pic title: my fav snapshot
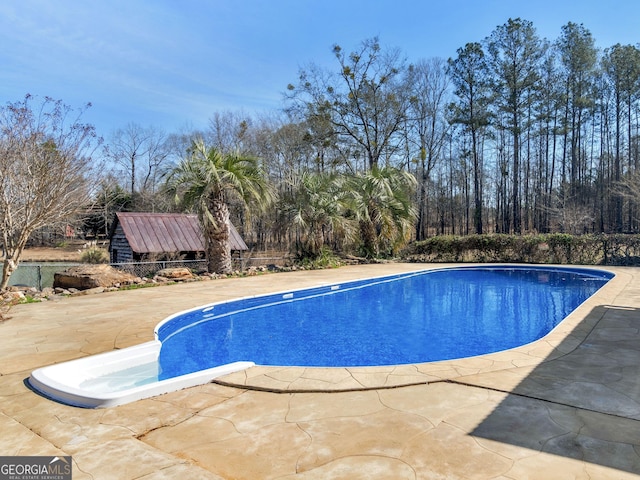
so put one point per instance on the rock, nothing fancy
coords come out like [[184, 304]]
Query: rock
[[13, 296], [178, 273], [90, 291], [47, 291], [83, 277], [23, 288]]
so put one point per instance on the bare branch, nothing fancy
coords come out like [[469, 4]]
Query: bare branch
[[45, 165]]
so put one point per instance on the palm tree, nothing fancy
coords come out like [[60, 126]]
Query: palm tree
[[207, 180], [315, 207], [381, 200]]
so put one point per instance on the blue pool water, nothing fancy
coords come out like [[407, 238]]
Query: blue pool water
[[402, 319]]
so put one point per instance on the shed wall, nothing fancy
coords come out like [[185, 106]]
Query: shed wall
[[119, 248]]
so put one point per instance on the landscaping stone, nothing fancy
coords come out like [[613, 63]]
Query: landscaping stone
[[89, 291], [83, 277], [92, 279], [178, 273]]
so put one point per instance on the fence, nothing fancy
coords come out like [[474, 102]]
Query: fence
[[38, 275], [41, 275], [257, 261], [148, 269]]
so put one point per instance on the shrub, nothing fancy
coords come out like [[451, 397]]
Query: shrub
[[324, 259], [95, 255], [561, 248]]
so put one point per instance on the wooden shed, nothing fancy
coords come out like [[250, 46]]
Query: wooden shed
[[138, 237]]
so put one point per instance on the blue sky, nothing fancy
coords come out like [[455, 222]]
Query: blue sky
[[173, 63]]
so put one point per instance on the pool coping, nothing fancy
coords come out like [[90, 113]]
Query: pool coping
[[562, 340]]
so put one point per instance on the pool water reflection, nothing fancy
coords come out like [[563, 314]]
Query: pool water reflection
[[410, 318]]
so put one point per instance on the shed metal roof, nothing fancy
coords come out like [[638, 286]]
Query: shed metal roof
[[168, 232]]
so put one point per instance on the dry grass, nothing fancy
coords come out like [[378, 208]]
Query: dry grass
[[52, 254], [70, 251]]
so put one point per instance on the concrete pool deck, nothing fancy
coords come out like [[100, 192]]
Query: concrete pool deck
[[566, 406]]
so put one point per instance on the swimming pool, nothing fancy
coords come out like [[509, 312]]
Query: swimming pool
[[409, 318]]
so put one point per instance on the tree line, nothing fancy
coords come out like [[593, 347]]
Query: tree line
[[514, 134]]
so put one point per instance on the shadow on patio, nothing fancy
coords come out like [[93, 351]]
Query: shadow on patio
[[583, 403]]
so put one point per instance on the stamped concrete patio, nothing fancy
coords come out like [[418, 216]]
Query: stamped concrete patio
[[566, 406]]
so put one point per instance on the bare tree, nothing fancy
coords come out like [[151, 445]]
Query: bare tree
[[468, 73], [228, 131], [515, 52], [366, 100], [45, 164], [621, 64], [143, 155], [428, 128]]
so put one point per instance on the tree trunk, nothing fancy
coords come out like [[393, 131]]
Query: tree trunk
[[217, 238], [12, 254], [477, 194], [422, 225], [517, 227], [8, 267], [369, 238]]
